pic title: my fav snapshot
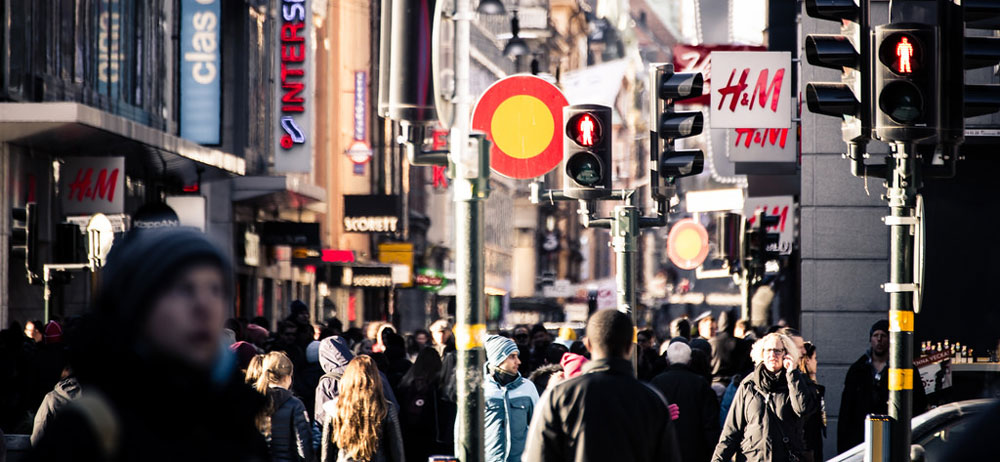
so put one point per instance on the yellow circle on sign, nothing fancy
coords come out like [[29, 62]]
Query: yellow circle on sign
[[522, 126], [688, 244]]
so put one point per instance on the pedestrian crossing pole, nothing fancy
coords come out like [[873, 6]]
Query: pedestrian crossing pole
[[904, 180]]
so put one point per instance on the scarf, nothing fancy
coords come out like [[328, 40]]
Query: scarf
[[766, 380], [503, 377]]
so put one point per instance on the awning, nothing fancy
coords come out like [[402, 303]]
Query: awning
[[80, 130], [279, 191]]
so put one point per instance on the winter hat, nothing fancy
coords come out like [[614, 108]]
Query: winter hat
[[882, 325], [498, 349], [146, 263], [572, 364], [244, 353], [256, 335], [53, 332], [312, 352], [297, 307]]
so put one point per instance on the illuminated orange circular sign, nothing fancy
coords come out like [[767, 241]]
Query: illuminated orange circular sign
[[687, 244], [522, 116]]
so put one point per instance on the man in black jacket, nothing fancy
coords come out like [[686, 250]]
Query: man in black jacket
[[698, 423], [604, 414], [866, 390]]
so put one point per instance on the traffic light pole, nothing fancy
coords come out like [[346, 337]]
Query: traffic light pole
[[904, 181]]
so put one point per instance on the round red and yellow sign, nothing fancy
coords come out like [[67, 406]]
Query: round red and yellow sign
[[522, 116], [687, 244]]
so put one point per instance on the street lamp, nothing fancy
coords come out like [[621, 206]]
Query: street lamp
[[516, 46], [490, 7]]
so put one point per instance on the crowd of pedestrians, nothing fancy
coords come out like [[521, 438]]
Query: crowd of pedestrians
[[155, 372]]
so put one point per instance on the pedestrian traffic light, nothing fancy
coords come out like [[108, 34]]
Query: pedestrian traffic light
[[587, 151], [24, 238], [979, 52], [849, 52], [667, 125], [906, 81], [761, 246]]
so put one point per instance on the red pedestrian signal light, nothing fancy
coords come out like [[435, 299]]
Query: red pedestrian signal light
[[904, 51], [585, 129]]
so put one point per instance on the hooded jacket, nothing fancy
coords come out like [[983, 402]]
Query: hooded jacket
[[508, 413], [604, 414], [291, 435], [766, 426], [334, 355], [64, 392]]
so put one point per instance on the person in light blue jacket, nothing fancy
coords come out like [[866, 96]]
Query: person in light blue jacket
[[510, 401]]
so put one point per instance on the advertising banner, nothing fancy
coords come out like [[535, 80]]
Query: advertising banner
[[201, 66], [90, 185], [294, 88]]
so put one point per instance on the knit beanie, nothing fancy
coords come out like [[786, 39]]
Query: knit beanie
[[53, 332], [572, 364], [881, 325], [244, 353], [498, 349], [256, 335]]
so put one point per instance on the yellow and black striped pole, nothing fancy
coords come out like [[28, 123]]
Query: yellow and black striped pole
[[902, 195]]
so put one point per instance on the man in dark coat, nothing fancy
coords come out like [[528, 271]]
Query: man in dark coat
[[604, 414], [730, 355], [698, 423], [158, 383], [866, 390]]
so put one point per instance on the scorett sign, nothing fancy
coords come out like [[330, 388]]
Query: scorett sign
[[371, 213]]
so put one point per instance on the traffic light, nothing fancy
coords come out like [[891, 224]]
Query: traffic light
[[761, 246], [979, 52], [587, 151], [667, 125], [24, 238], [906, 81], [850, 53]]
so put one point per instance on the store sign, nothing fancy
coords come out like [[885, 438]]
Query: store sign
[[430, 279], [751, 90], [201, 65], [92, 185], [400, 256], [784, 208], [360, 106], [293, 97], [763, 145], [364, 276], [371, 213], [290, 233], [191, 210], [110, 58], [251, 248]]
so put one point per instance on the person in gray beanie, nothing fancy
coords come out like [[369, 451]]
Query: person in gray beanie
[[510, 401]]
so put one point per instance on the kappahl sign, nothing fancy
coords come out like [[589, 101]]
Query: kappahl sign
[[90, 185], [293, 87]]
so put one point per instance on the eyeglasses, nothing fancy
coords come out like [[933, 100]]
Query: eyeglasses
[[775, 351]]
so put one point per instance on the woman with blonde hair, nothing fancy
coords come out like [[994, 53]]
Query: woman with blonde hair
[[361, 425], [284, 421], [254, 369], [765, 420]]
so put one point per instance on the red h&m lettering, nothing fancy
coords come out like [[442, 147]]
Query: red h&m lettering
[[760, 94], [104, 188], [777, 136]]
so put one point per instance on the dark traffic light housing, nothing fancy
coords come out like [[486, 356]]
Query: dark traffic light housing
[[906, 81], [587, 151], [761, 246], [849, 52], [24, 238], [667, 125]]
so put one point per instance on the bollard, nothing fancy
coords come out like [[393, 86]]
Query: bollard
[[877, 432]]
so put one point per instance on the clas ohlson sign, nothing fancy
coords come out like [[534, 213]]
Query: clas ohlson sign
[[201, 70], [371, 214]]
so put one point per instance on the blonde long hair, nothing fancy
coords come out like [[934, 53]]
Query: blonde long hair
[[275, 367], [361, 409]]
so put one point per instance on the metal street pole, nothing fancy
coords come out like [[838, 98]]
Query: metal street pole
[[624, 241], [902, 196]]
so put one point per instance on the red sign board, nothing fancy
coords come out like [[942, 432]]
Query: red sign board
[[522, 116], [687, 244], [92, 185]]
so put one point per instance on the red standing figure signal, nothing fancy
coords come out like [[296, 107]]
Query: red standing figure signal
[[904, 50], [586, 130]]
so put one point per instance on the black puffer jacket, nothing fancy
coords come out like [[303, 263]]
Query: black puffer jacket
[[604, 414], [291, 435], [766, 426]]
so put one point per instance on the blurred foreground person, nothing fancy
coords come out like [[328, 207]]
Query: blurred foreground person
[[284, 422], [605, 414], [158, 385], [362, 425], [510, 401], [766, 419]]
